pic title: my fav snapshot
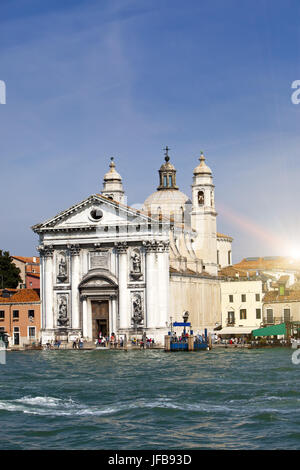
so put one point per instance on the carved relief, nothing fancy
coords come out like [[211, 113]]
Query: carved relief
[[156, 246], [62, 318], [137, 309], [121, 247], [46, 251]]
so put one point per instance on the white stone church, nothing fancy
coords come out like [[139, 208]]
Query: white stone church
[[111, 268]]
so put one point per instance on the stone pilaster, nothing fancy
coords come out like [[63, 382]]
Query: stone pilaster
[[48, 287], [121, 249], [75, 279]]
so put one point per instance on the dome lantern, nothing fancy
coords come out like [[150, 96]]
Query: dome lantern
[[167, 174]]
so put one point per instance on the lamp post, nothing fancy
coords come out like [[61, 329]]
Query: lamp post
[[185, 317]]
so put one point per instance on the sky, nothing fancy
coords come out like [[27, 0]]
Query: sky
[[90, 79]]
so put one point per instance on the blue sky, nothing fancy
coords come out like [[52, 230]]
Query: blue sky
[[87, 80]]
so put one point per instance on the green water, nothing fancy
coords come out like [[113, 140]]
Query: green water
[[221, 399]]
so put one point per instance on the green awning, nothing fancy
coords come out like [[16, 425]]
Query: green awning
[[271, 330]]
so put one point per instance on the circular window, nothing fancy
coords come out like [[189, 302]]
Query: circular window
[[96, 214]]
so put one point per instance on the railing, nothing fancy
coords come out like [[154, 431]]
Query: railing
[[276, 320]]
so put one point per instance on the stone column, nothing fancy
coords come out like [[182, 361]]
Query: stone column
[[121, 249], [113, 314], [42, 286], [84, 317], [75, 279], [48, 288]]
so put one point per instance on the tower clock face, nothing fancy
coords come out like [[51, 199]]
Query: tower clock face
[[96, 214]]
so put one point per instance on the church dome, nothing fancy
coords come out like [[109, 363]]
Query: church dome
[[202, 168], [167, 200], [170, 199]]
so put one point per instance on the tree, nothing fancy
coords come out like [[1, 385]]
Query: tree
[[9, 273]]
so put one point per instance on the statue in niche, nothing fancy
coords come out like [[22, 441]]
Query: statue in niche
[[63, 312], [201, 198], [137, 310], [136, 265], [62, 269]]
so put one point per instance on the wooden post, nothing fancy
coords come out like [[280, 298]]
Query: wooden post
[[191, 343], [167, 343]]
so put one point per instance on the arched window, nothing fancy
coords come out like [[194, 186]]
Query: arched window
[[200, 198], [170, 181], [165, 181]]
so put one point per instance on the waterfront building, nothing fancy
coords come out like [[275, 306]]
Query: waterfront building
[[282, 304], [20, 315], [241, 305], [29, 271], [106, 267]]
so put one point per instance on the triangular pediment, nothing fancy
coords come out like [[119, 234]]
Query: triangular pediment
[[92, 212]]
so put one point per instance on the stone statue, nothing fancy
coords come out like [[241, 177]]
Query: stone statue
[[136, 266], [63, 312], [62, 270], [136, 262], [137, 310]]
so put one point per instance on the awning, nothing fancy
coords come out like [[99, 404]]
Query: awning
[[239, 330], [271, 330]]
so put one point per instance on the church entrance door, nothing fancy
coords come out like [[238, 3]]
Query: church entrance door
[[100, 318]]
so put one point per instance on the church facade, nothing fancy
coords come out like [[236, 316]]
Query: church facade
[[109, 268]]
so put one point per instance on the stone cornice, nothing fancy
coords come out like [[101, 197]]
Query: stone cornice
[[79, 228]]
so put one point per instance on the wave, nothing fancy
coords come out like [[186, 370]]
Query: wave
[[52, 406]]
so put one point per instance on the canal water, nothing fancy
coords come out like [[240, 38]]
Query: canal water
[[221, 399]]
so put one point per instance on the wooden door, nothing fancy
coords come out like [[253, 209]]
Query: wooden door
[[100, 318]]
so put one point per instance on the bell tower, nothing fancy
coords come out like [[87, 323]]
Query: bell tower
[[203, 216], [112, 184]]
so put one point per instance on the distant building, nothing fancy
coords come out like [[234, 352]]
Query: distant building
[[30, 271], [241, 302], [282, 304], [20, 315], [275, 266], [32, 281]]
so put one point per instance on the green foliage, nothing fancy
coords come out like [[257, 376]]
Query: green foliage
[[9, 273]]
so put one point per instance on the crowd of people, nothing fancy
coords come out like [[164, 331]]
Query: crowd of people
[[143, 343], [198, 338], [110, 342]]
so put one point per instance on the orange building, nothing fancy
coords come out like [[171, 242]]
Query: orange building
[[29, 271], [20, 315]]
